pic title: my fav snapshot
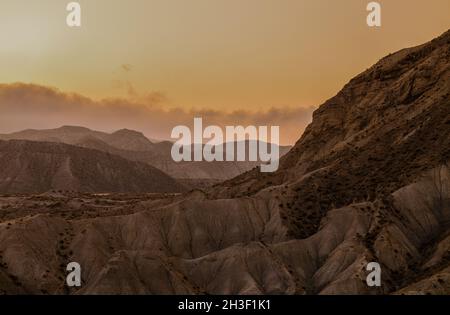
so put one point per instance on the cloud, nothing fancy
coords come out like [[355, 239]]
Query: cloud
[[30, 106]]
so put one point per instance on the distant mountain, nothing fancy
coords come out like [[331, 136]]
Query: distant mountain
[[131, 140], [122, 139], [135, 146], [36, 167]]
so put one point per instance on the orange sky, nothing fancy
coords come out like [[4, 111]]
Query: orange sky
[[225, 55]]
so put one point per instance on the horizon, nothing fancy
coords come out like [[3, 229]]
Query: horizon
[[154, 141]]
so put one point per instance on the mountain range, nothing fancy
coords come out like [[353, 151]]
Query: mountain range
[[134, 146]]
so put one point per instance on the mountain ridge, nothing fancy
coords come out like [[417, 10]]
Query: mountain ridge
[[37, 167], [133, 145]]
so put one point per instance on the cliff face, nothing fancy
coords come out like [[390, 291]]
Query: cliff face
[[381, 132], [369, 181]]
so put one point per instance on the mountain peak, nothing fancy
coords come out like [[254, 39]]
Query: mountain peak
[[130, 140], [73, 128], [129, 132]]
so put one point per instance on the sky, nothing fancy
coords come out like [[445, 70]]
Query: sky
[[238, 61]]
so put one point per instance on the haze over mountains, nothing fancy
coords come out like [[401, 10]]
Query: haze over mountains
[[135, 146], [122, 139], [369, 181]]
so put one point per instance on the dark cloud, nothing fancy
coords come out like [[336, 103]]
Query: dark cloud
[[24, 106]]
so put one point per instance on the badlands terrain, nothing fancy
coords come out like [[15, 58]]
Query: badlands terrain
[[369, 181]]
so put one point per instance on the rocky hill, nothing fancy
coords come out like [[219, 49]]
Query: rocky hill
[[36, 167], [383, 130]]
